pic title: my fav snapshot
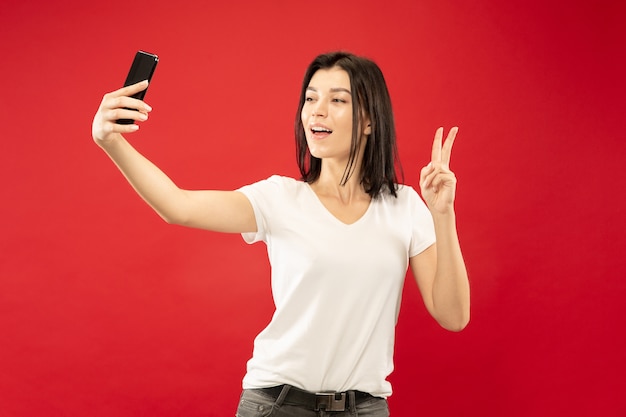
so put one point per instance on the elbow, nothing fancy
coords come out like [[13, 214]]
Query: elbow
[[455, 324], [169, 220], [456, 327], [173, 219]]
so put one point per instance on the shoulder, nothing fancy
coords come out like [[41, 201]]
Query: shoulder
[[272, 187], [276, 182], [286, 182], [405, 194], [406, 191], [407, 201]]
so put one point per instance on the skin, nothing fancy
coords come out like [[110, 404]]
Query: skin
[[439, 270], [221, 211], [328, 103]]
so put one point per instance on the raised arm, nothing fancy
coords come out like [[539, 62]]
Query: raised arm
[[440, 270], [221, 211]]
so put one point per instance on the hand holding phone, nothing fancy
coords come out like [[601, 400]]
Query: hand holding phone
[[142, 68]]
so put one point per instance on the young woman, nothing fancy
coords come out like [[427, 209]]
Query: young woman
[[339, 240]]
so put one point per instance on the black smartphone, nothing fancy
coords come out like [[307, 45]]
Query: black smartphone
[[142, 68]]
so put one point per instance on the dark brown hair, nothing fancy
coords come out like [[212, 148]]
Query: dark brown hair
[[371, 98]]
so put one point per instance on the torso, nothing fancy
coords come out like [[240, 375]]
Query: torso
[[337, 278], [347, 213]]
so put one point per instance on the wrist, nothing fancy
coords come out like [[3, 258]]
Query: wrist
[[444, 217], [110, 141]]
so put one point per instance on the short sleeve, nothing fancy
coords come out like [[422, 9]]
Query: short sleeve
[[265, 197], [423, 233]]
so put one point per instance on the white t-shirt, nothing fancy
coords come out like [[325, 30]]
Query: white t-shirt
[[336, 287]]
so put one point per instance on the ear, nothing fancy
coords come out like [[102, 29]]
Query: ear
[[368, 126]]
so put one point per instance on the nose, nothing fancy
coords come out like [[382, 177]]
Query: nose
[[320, 109]]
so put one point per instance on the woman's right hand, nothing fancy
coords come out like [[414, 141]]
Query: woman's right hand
[[115, 106]]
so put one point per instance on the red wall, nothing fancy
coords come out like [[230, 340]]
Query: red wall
[[107, 311]]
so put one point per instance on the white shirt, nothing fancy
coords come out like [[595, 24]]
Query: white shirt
[[336, 287]]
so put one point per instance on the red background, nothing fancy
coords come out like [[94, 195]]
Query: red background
[[107, 311]]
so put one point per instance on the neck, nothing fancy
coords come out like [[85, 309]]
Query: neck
[[330, 184]]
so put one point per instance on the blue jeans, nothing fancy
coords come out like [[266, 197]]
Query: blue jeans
[[257, 403]]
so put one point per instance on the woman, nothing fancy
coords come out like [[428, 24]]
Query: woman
[[339, 240]]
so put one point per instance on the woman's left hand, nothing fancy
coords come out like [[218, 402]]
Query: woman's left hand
[[437, 182]]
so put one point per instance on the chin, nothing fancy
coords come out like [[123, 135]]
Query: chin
[[316, 152]]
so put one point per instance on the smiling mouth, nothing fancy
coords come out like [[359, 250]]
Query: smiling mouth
[[321, 130]]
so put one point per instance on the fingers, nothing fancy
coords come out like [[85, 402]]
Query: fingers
[[436, 151], [115, 108], [441, 152], [119, 105], [440, 157], [437, 181], [426, 176], [131, 89], [127, 112], [116, 105], [446, 151], [105, 128], [434, 175], [122, 98], [112, 101]]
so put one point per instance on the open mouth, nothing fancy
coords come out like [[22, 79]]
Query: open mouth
[[321, 130]]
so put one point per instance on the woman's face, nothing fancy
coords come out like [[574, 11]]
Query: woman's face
[[327, 115]]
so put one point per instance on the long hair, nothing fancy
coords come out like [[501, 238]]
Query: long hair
[[371, 98]]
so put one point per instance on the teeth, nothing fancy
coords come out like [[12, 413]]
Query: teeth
[[320, 129]]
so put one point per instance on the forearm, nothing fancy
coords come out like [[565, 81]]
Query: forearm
[[156, 188], [450, 291]]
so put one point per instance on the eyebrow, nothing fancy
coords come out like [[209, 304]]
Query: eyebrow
[[332, 90]]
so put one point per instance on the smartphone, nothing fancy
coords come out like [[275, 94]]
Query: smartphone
[[142, 68]]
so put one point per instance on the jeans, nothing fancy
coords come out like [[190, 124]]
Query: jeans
[[257, 403]]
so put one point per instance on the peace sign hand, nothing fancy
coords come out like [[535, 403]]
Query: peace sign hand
[[437, 182]]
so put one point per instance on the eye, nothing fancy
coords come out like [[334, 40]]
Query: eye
[[339, 100]]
